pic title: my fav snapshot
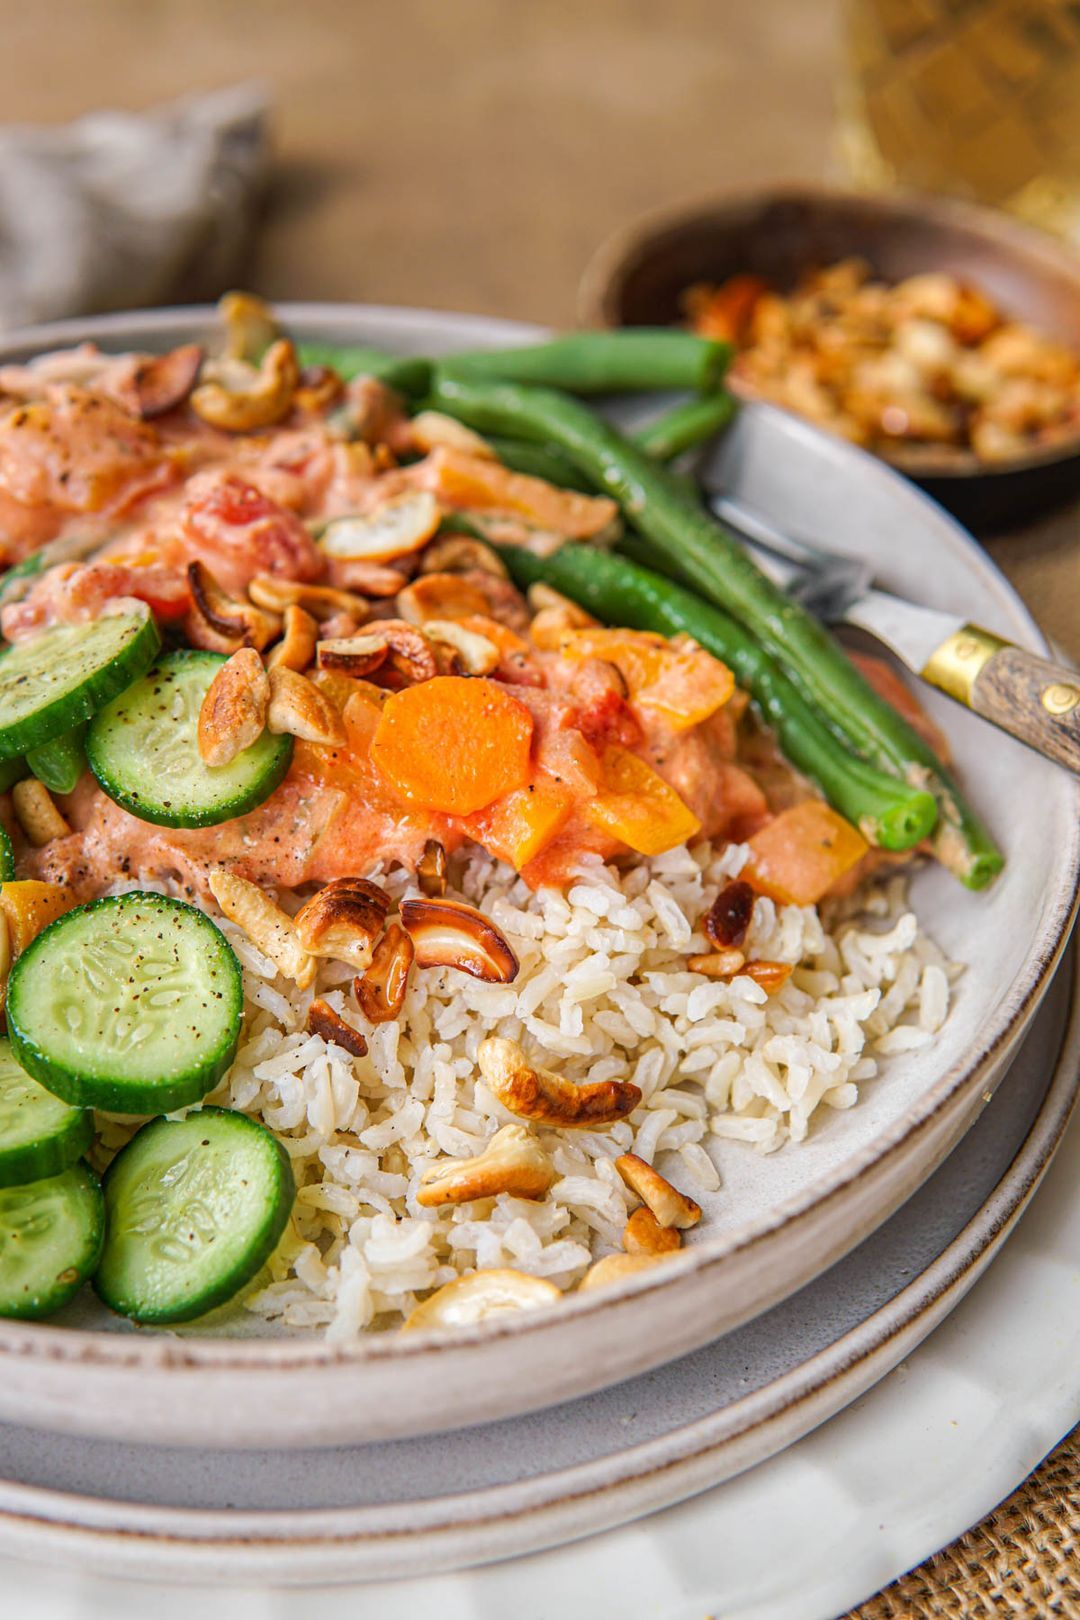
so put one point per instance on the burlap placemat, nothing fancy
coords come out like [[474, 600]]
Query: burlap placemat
[[1023, 1560]]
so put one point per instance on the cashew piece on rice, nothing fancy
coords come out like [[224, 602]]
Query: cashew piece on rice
[[670, 1207], [643, 1234], [512, 1162], [343, 921], [265, 924], [540, 1095], [614, 1267], [479, 1296]]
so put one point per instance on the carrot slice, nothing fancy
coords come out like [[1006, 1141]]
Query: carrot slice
[[637, 806], [798, 856], [453, 744]]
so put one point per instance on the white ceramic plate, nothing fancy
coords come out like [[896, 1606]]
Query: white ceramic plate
[[777, 1222], [381, 1511]]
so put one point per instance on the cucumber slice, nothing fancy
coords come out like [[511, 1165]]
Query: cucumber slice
[[143, 749], [195, 1208], [39, 1134], [60, 763], [50, 683], [132, 1003], [12, 771], [51, 1236]]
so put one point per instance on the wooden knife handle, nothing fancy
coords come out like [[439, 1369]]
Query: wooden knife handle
[[1030, 697]]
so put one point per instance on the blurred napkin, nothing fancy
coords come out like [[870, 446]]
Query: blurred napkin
[[124, 209]]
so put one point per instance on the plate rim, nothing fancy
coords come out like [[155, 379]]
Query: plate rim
[[369, 1543], [99, 1348]]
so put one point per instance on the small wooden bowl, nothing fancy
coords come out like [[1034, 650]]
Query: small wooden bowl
[[638, 276]]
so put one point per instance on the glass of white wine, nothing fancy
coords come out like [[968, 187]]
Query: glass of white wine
[[973, 98]]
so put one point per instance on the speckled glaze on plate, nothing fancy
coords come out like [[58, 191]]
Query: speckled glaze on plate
[[776, 1222], [452, 1501]]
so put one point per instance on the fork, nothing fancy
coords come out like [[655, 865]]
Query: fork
[[1032, 698]]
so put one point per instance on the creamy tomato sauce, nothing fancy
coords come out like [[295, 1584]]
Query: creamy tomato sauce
[[168, 493]]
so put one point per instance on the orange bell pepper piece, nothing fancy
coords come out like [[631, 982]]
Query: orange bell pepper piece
[[637, 806], [798, 856]]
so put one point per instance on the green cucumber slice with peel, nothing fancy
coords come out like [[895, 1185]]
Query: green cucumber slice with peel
[[61, 762], [53, 681], [51, 1237], [40, 1134], [195, 1209], [132, 1003], [143, 748]]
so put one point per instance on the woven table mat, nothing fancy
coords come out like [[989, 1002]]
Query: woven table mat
[[1022, 1560]]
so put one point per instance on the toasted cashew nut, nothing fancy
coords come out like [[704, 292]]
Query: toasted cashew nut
[[353, 655], [159, 383], [396, 529], [476, 654], [461, 553], [296, 649], [555, 616], [540, 1095], [431, 870], [670, 1207], [319, 388], [643, 1234], [343, 921], [36, 813], [380, 991], [234, 709], [430, 430], [264, 923], [411, 656], [480, 1295], [219, 622], [238, 400], [512, 1162], [769, 975], [250, 325], [371, 579], [323, 1020], [321, 601], [449, 934], [299, 708], [723, 964], [614, 1267], [441, 596]]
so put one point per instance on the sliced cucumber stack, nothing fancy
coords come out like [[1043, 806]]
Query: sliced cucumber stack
[[60, 677], [40, 1134], [143, 749], [132, 1003], [195, 1209], [51, 1236]]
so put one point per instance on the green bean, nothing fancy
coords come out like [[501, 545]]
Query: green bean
[[540, 461], [642, 357], [686, 537], [885, 810], [409, 374], [686, 426]]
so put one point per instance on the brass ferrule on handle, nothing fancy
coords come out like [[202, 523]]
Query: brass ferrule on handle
[[955, 666]]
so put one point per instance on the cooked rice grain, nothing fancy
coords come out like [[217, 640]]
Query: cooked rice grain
[[603, 994]]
